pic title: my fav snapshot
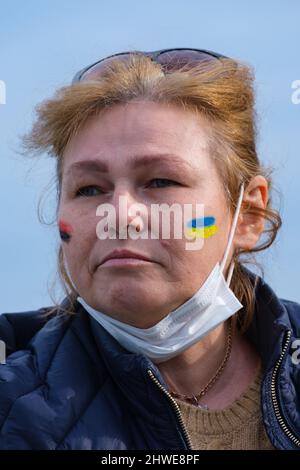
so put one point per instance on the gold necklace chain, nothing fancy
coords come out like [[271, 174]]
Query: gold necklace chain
[[194, 399]]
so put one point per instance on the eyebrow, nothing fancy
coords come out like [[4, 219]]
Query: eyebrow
[[136, 162]]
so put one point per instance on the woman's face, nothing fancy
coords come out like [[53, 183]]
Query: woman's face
[[176, 143]]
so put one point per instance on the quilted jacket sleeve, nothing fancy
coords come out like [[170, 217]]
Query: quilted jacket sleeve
[[16, 329]]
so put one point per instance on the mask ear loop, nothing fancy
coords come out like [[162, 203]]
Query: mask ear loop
[[231, 235]]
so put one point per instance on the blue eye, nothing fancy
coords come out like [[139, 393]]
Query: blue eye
[[165, 181], [88, 191]]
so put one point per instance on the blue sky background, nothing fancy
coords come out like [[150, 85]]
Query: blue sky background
[[42, 45]]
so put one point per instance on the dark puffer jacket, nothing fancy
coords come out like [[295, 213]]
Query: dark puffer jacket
[[68, 384]]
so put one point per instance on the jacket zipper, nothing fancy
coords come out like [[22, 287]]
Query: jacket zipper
[[275, 400], [176, 408]]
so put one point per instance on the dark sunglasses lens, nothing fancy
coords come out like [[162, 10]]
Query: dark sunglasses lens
[[174, 60], [97, 69], [169, 60]]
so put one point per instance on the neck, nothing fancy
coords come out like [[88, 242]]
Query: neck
[[191, 370]]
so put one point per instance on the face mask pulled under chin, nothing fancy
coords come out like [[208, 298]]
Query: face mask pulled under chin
[[212, 304]]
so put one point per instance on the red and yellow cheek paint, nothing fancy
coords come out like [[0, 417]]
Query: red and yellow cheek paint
[[65, 230]]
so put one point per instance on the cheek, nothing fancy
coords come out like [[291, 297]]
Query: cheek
[[204, 227], [188, 267], [77, 238], [181, 262], [75, 226], [209, 233], [65, 230]]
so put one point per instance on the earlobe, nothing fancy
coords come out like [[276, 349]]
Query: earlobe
[[251, 222]]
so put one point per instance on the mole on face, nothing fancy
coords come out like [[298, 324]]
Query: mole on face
[[65, 231]]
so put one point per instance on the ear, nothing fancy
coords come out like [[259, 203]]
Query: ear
[[250, 226]]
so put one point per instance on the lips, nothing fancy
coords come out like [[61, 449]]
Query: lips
[[124, 254]]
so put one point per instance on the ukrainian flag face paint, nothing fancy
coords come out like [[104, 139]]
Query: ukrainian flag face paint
[[203, 227], [65, 231]]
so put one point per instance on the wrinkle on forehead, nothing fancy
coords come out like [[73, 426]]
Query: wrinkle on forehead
[[130, 129]]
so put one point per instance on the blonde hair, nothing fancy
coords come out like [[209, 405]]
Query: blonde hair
[[222, 92]]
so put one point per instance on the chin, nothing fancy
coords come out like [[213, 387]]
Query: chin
[[129, 303], [127, 286]]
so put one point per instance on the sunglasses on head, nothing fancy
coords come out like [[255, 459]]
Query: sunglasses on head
[[169, 59]]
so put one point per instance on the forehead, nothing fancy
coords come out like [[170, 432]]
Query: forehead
[[125, 131]]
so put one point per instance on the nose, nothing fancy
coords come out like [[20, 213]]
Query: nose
[[130, 212]]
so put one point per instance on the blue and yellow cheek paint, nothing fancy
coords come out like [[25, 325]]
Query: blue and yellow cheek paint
[[203, 227]]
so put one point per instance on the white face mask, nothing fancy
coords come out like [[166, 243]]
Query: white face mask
[[211, 305]]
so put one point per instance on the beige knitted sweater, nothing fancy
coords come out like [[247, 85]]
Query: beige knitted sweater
[[238, 426]]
